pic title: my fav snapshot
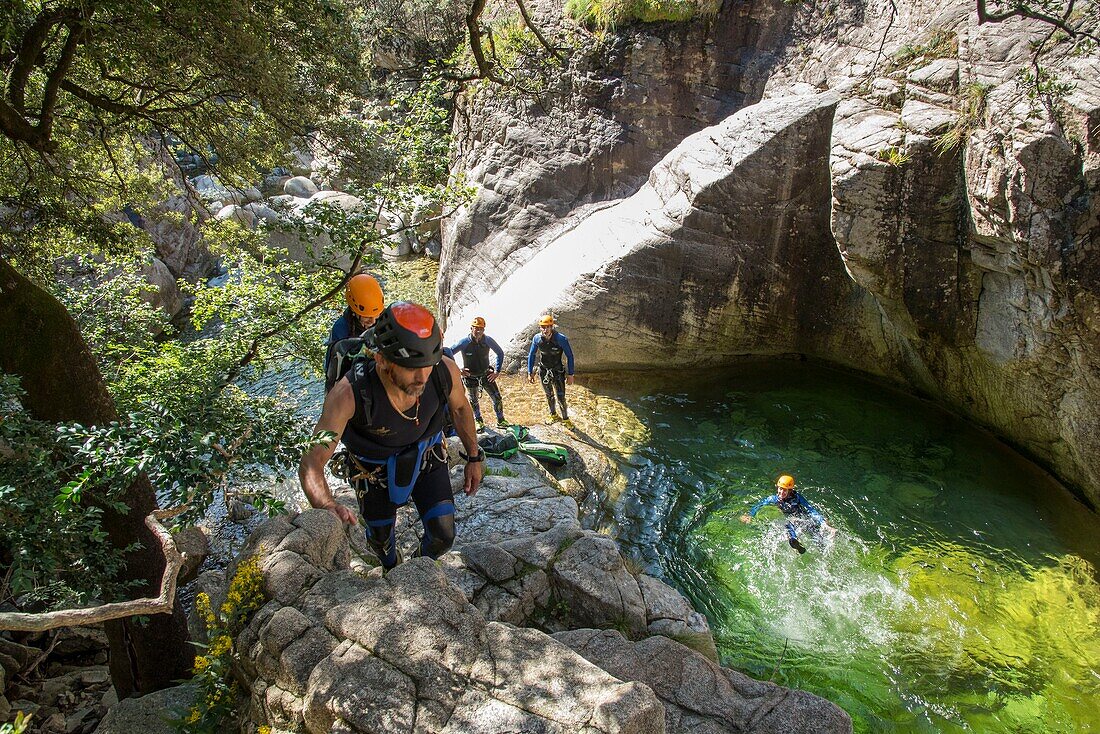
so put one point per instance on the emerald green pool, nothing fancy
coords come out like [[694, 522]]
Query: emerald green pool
[[961, 593]]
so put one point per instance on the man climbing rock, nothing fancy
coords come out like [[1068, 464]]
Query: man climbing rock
[[792, 504], [549, 345], [389, 413], [477, 373], [365, 302]]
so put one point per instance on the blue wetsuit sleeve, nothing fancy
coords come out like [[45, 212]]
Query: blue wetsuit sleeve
[[772, 500], [496, 350], [568, 353], [812, 511], [531, 354], [457, 348]]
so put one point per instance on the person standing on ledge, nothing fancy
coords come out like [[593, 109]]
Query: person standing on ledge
[[477, 373], [792, 504], [549, 345], [365, 303], [389, 413]]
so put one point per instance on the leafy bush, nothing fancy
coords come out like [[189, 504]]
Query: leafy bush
[[611, 13], [52, 551]]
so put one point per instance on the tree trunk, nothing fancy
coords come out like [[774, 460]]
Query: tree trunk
[[44, 348]]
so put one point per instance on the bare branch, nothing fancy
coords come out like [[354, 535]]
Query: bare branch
[[882, 43], [106, 612], [535, 29], [1023, 11]]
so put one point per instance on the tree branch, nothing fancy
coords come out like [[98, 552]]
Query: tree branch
[[106, 612], [1024, 11], [29, 51], [485, 70], [53, 82], [16, 127], [534, 29]]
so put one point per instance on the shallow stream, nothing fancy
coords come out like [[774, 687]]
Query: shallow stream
[[960, 594]]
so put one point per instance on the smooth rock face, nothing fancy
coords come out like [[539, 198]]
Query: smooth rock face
[[611, 114], [966, 271], [725, 251]]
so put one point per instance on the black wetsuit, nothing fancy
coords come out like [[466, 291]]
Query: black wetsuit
[[475, 360], [551, 370], [399, 456]]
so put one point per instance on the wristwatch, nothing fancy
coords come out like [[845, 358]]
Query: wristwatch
[[473, 459]]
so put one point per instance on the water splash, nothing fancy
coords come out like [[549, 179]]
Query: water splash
[[960, 593]]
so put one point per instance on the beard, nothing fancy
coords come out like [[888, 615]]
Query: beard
[[406, 383]]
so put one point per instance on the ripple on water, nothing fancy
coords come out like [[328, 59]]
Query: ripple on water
[[960, 594]]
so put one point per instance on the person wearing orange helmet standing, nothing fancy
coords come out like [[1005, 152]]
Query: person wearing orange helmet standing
[[365, 303], [792, 504], [548, 346], [477, 373]]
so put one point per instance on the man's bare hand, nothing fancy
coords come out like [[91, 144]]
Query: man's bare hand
[[531, 377], [569, 380], [475, 470], [491, 377], [346, 515]]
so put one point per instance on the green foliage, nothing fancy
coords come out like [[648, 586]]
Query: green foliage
[[612, 13], [499, 472], [53, 555], [939, 44], [893, 155], [971, 116], [213, 672], [403, 150], [1044, 90], [232, 78], [18, 726]]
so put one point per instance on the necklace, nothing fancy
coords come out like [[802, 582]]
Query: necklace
[[416, 415]]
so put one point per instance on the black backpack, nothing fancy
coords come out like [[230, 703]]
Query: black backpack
[[344, 354]]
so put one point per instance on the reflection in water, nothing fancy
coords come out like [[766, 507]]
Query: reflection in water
[[960, 594]]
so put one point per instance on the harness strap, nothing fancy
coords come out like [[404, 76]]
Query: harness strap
[[399, 493]]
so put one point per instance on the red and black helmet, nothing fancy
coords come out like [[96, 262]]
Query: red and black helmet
[[407, 334]]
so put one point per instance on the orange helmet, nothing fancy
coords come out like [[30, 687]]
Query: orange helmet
[[546, 320], [365, 296], [785, 482], [478, 323]]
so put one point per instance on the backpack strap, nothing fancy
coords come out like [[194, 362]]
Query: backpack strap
[[441, 378], [359, 376]]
